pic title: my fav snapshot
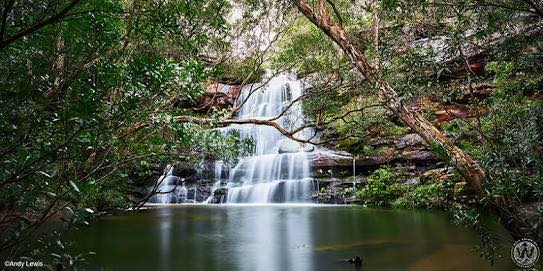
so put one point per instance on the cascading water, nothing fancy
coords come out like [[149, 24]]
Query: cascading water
[[279, 169], [171, 189]]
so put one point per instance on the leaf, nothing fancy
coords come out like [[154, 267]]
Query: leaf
[[89, 210], [74, 186], [59, 243], [44, 174], [56, 255], [50, 194]]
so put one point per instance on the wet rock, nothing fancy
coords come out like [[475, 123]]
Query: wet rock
[[329, 159], [219, 195], [287, 92], [213, 100], [199, 193], [183, 169], [345, 181], [333, 159], [332, 190], [532, 213], [341, 162], [173, 180]]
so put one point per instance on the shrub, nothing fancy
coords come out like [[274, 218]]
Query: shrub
[[379, 190], [435, 195]]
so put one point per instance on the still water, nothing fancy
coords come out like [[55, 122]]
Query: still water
[[279, 237]]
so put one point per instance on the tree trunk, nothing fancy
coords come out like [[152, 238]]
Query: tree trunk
[[469, 169], [58, 67]]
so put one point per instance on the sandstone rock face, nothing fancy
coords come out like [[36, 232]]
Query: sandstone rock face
[[407, 149], [381, 156], [421, 157], [217, 96], [409, 140], [328, 159], [452, 112]]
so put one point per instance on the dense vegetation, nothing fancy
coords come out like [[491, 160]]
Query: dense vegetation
[[97, 95], [436, 56], [88, 99]]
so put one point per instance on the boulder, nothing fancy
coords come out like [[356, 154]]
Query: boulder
[[420, 157], [327, 159], [413, 181], [219, 195], [409, 140], [217, 96], [210, 100], [330, 158], [381, 156], [308, 148], [198, 193]]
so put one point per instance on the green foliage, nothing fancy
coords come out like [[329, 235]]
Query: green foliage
[[382, 190], [307, 47], [379, 190], [88, 99], [512, 127], [247, 70], [428, 196], [367, 150], [347, 192]]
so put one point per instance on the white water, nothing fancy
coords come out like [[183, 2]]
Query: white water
[[171, 189], [278, 170]]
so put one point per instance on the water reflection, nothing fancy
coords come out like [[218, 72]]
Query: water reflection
[[271, 238], [165, 236], [279, 237]]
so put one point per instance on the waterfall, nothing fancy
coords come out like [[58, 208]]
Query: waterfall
[[217, 174], [278, 169], [171, 189], [354, 172]]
